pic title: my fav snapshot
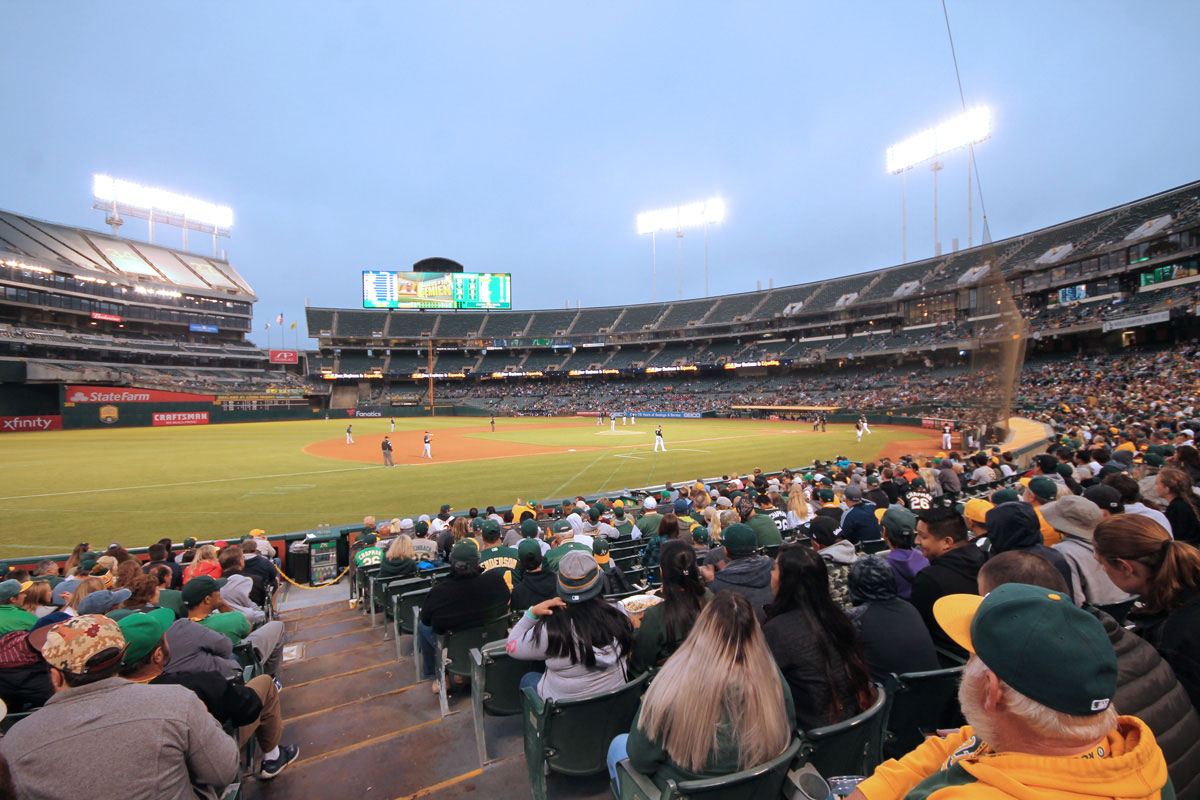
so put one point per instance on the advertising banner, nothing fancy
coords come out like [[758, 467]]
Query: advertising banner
[[39, 422], [670, 414], [285, 357], [123, 394], [105, 317], [179, 418], [198, 328]]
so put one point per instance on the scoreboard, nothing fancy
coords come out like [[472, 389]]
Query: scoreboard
[[454, 290]]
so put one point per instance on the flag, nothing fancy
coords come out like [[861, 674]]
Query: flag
[[279, 320], [293, 326], [267, 326]]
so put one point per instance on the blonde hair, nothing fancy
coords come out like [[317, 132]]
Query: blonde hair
[[401, 548], [36, 595], [85, 587], [460, 529], [206, 552], [107, 562], [798, 504], [728, 646], [712, 515]]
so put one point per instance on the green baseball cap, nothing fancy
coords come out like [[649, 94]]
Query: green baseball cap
[[528, 546], [1154, 460], [825, 495], [899, 520], [1038, 642], [200, 587], [491, 526], [1005, 496], [477, 524], [143, 632], [739, 539], [368, 538], [465, 552], [594, 513], [189, 542], [560, 526], [1043, 488], [529, 528], [421, 528]]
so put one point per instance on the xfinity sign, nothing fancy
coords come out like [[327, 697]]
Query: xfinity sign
[[40, 422]]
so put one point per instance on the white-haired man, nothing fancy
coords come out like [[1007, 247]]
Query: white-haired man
[[1037, 695]]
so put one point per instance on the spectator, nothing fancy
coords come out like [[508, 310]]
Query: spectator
[[241, 591], [1037, 690], [1146, 685], [1106, 498], [205, 563], [188, 554], [859, 523], [464, 599], [595, 525], [158, 555], [746, 572], [622, 522], [1014, 526], [583, 639], [647, 523], [664, 626], [46, 571], [1183, 509], [953, 567], [893, 635], [746, 719], [424, 548], [800, 511], [1142, 559], [917, 498], [256, 565], [36, 599], [205, 605], [814, 642], [534, 583], [566, 539], [875, 492], [399, 561], [168, 598], [899, 526], [1076, 518], [163, 726], [1131, 499], [975, 515], [614, 578], [838, 554], [253, 707], [143, 596], [76, 557], [667, 530], [12, 616], [947, 478]]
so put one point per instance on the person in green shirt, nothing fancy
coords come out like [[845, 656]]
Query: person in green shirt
[[621, 522], [495, 555], [204, 604], [648, 522], [12, 616], [765, 529], [664, 626], [564, 542]]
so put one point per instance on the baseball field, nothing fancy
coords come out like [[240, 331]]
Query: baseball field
[[136, 485]]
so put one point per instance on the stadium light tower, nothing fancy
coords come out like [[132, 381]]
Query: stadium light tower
[[966, 130], [692, 215], [156, 205]]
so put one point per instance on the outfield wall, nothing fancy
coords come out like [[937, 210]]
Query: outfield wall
[[134, 407]]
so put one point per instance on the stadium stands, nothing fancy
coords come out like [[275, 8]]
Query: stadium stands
[[685, 313], [459, 324], [551, 323]]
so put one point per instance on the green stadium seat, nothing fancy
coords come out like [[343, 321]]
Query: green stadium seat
[[919, 703], [571, 737], [495, 687], [454, 649], [765, 781], [849, 747]]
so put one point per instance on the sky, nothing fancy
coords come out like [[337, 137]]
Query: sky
[[525, 137]]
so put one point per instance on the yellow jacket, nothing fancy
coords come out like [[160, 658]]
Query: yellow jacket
[[959, 767]]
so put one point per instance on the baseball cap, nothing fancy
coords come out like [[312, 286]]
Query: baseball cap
[[11, 588], [976, 509], [528, 546], [103, 601], [600, 551], [618, 503], [1038, 642], [824, 530], [465, 552], [257, 533], [200, 587], [529, 528], [650, 504], [724, 502], [744, 507], [421, 527], [681, 506], [188, 543], [368, 538], [476, 524], [594, 513], [853, 492], [446, 509], [1154, 460], [491, 526], [700, 534], [1043, 488], [406, 524], [559, 526], [83, 644], [1076, 516], [1005, 496], [1105, 497], [144, 631], [917, 483], [898, 520], [739, 540], [872, 480], [579, 577], [825, 495]]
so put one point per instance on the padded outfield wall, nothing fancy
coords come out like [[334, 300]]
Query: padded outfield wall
[[133, 407]]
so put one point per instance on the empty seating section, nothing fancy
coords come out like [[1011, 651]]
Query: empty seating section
[[832, 291], [318, 363], [894, 278], [1171, 204], [717, 351], [404, 363], [505, 324], [361, 324], [542, 361], [734, 306], [550, 323], [459, 324], [672, 353], [629, 356], [584, 359], [410, 324], [593, 320], [455, 362], [682, 314], [1035, 245], [638, 317], [319, 319], [359, 362], [497, 361], [779, 299], [949, 269]]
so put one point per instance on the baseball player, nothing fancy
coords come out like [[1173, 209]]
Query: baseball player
[[393, 426], [387, 452], [599, 419], [612, 423], [947, 429], [349, 436], [658, 440], [426, 453], [858, 429], [865, 427], [493, 424]]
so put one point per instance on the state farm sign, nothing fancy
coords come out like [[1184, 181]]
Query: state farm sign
[[180, 418], [118, 394], [285, 357], [40, 422]]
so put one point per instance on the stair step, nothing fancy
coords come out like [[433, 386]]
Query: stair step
[[336, 627], [319, 734], [347, 688], [342, 642], [312, 611], [311, 669]]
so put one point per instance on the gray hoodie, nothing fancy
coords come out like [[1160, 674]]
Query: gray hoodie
[[749, 576]]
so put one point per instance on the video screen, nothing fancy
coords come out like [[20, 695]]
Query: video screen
[[479, 290]]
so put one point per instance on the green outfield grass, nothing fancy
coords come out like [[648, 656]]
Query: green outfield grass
[[138, 485]]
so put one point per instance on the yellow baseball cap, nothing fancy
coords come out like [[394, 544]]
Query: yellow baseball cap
[[976, 509]]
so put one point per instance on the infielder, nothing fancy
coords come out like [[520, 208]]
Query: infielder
[[947, 429], [612, 423], [493, 424], [658, 440], [349, 437], [865, 427], [858, 429], [387, 452], [393, 426], [426, 453]]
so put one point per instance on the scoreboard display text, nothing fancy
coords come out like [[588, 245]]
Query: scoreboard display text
[[385, 289]]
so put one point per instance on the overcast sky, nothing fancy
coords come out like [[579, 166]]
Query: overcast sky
[[525, 137]]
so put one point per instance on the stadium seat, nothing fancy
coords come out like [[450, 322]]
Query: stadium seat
[[571, 737], [873, 546], [919, 703], [495, 687], [1120, 610], [849, 747], [402, 615], [453, 649], [765, 781]]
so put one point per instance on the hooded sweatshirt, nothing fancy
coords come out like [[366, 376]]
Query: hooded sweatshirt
[[958, 766], [953, 572], [534, 588], [893, 636], [906, 564], [1015, 526], [749, 576], [564, 680], [838, 558]]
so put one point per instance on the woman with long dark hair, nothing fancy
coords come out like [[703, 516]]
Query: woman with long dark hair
[[666, 625], [1188, 460], [583, 638], [1141, 558], [814, 642], [1183, 508]]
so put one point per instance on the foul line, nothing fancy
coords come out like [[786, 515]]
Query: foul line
[[181, 483]]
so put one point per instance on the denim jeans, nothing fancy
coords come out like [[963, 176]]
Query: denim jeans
[[531, 679], [617, 751], [427, 643]]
